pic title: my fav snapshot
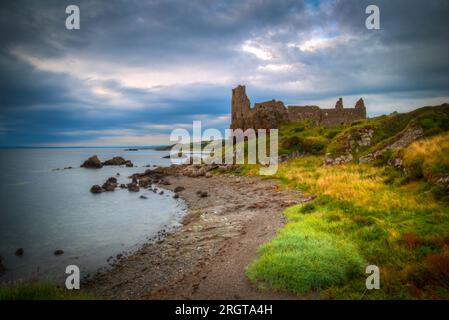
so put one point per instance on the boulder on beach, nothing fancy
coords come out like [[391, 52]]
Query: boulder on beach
[[92, 163], [179, 189], [96, 189], [58, 252], [133, 187], [203, 194], [19, 252]]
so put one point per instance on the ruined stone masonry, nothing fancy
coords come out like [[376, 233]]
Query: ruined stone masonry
[[270, 114]]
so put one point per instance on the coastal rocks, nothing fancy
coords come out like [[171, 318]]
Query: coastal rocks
[[330, 161], [203, 194], [175, 196], [132, 187], [364, 138], [293, 155], [443, 181], [118, 161], [179, 189], [144, 182], [92, 163], [143, 197], [109, 186], [19, 252], [58, 252], [129, 164], [96, 189], [402, 140]]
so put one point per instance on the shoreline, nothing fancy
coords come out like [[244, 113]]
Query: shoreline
[[228, 218]]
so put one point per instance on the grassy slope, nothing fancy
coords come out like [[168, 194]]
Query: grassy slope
[[39, 291], [364, 214]]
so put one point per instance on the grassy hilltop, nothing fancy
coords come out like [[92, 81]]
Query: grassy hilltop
[[382, 198]]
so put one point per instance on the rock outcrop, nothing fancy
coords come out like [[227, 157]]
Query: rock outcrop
[[118, 161], [92, 163]]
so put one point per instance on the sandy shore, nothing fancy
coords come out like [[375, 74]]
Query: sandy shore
[[205, 258]]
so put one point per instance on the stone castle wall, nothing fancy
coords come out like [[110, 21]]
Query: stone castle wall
[[271, 114]]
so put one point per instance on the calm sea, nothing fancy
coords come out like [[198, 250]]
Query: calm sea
[[42, 210]]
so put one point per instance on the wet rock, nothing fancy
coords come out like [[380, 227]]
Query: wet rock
[[144, 182], [58, 252], [112, 180], [109, 186], [132, 187], [123, 186], [19, 252], [175, 196], [161, 193], [96, 189], [129, 164], [117, 174], [179, 189], [143, 197], [92, 163], [68, 168], [115, 161]]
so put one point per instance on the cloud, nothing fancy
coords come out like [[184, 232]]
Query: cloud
[[166, 63]]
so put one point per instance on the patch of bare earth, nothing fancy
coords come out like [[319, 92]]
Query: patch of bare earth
[[206, 258]]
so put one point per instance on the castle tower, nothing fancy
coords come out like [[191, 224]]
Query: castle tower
[[339, 104], [240, 108], [360, 107]]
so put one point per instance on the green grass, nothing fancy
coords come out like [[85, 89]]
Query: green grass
[[397, 219], [432, 120], [358, 219], [39, 291], [303, 258]]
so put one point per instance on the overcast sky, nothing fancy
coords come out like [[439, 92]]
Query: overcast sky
[[138, 69]]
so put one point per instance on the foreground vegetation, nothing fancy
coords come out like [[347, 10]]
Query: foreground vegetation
[[371, 213], [39, 291]]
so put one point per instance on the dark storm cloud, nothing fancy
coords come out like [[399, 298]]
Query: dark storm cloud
[[137, 67]]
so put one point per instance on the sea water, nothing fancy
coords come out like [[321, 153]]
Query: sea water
[[43, 209]]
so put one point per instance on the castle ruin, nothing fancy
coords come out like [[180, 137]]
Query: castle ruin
[[271, 114]]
